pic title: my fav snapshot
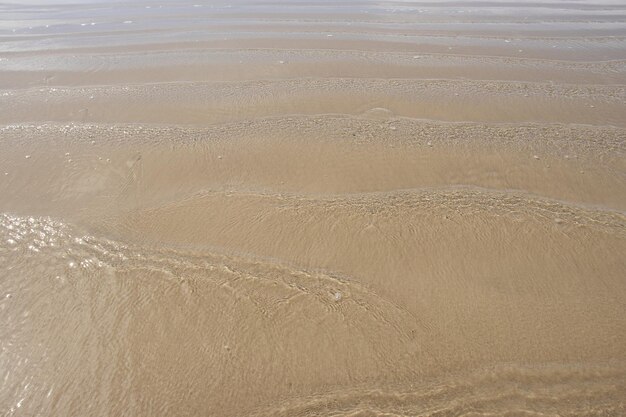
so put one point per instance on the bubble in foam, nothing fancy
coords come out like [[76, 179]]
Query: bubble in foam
[[378, 113]]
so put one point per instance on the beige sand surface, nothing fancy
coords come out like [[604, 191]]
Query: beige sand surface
[[313, 208]]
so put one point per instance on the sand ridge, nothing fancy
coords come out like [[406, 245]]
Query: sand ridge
[[310, 208]]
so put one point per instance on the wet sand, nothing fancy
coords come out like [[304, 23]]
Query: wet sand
[[313, 208]]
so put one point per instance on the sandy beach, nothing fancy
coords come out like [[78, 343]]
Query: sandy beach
[[313, 208]]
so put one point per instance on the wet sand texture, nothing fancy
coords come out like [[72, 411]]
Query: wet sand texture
[[313, 208]]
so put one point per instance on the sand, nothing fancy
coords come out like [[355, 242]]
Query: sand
[[313, 208]]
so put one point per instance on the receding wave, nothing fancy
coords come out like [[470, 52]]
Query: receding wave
[[312, 208]]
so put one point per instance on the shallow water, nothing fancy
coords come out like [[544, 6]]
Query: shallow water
[[313, 208]]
